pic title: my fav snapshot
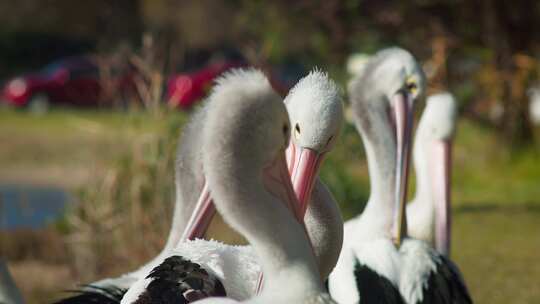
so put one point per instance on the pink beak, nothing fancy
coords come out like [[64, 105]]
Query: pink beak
[[304, 164], [441, 164], [201, 217], [403, 118], [278, 182]]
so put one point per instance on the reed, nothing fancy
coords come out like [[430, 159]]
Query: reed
[[122, 218]]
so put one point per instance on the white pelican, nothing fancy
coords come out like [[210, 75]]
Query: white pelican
[[316, 113], [315, 106], [244, 141], [315, 110], [370, 268], [9, 293], [429, 212]]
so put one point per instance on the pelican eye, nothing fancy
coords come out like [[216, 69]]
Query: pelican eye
[[411, 86], [297, 131]]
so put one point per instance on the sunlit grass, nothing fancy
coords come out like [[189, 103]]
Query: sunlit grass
[[67, 147], [497, 250], [496, 198], [488, 172]]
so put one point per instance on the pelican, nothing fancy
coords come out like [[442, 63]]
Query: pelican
[[315, 106], [382, 98], [378, 264], [429, 212], [244, 141], [315, 110], [9, 293]]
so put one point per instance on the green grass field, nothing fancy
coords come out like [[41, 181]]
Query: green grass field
[[496, 197]]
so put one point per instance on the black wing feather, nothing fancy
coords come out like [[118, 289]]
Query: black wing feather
[[446, 285], [94, 294], [374, 288], [179, 281]]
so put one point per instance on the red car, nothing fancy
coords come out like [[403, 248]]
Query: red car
[[184, 89], [72, 81]]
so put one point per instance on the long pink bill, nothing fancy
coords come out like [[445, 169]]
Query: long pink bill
[[304, 164], [441, 165], [201, 217], [403, 118], [277, 181]]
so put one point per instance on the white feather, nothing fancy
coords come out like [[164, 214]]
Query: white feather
[[418, 261], [368, 247]]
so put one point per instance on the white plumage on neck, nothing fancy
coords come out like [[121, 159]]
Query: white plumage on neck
[[240, 143]]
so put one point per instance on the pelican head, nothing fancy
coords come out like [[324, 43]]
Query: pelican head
[[245, 100], [244, 141], [383, 95], [316, 113], [439, 119]]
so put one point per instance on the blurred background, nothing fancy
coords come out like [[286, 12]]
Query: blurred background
[[95, 93]]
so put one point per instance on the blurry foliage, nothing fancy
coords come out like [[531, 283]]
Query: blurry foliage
[[150, 79], [123, 218], [348, 184], [20, 52], [469, 47], [30, 244]]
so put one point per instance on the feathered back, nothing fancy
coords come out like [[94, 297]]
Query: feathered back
[[94, 294]]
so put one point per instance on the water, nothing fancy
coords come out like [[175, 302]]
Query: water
[[23, 206]]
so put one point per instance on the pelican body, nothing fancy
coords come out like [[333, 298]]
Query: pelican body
[[379, 263], [244, 140]]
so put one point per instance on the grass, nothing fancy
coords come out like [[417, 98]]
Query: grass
[[497, 248], [488, 172], [68, 147], [113, 161]]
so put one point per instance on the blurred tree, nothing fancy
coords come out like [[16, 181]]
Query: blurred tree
[[99, 20], [118, 21], [474, 48]]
